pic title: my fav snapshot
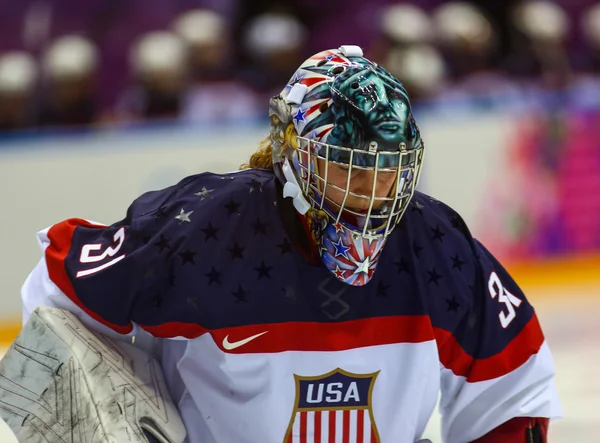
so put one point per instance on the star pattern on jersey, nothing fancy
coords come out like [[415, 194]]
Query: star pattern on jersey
[[187, 257], [162, 243], [434, 277], [382, 289], [457, 222], [259, 227], [184, 216], [437, 234], [263, 270], [233, 207], [340, 249], [204, 193], [285, 246], [236, 251], [403, 266], [240, 295], [453, 305], [210, 232], [457, 263], [213, 276]]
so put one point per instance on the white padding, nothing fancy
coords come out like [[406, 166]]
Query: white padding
[[58, 379], [351, 50], [297, 94], [292, 189]]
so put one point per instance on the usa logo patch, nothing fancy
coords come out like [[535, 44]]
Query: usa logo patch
[[333, 407]]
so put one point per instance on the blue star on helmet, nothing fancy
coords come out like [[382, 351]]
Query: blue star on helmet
[[296, 78], [299, 116], [340, 249]]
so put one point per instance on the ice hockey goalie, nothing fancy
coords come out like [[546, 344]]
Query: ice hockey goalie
[[61, 383]]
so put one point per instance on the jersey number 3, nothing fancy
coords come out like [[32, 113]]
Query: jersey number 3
[[90, 254], [510, 301]]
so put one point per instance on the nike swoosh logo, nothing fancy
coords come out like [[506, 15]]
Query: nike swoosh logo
[[236, 344]]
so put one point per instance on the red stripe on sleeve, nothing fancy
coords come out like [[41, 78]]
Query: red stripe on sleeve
[[61, 236], [516, 353], [307, 336]]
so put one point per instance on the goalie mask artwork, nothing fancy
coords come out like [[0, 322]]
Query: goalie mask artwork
[[348, 151]]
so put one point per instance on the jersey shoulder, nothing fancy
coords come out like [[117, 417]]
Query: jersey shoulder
[[195, 198], [437, 213], [442, 254]]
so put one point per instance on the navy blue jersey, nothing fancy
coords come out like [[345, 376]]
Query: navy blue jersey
[[211, 258]]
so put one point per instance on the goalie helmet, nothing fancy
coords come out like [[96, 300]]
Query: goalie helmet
[[342, 119]]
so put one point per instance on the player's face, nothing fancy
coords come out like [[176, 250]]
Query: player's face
[[361, 182]]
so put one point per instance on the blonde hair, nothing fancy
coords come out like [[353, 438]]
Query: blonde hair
[[262, 158]]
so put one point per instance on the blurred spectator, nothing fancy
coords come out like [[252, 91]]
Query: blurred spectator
[[401, 25], [590, 25], [274, 42], [466, 36], [159, 70], [469, 43], [585, 90], [69, 67], [215, 94], [18, 75], [420, 68], [208, 43], [540, 49]]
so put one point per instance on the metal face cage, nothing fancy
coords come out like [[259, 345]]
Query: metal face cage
[[378, 223]]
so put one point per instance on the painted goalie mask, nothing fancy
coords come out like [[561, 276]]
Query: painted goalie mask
[[341, 119]]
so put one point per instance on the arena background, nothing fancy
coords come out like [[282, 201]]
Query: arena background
[[104, 100]]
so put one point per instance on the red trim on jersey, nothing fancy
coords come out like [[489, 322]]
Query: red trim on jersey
[[60, 236], [516, 430], [518, 351], [307, 336]]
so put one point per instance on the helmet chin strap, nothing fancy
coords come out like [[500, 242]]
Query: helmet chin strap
[[292, 189]]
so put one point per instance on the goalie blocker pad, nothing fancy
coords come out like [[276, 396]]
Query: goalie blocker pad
[[62, 383]]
